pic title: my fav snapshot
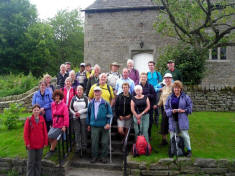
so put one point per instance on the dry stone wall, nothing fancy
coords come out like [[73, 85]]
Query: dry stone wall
[[18, 166], [183, 167]]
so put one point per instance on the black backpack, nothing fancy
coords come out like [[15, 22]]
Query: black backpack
[[176, 147]]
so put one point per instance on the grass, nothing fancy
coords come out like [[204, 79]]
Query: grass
[[212, 136]]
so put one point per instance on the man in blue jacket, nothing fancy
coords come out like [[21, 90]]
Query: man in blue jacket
[[98, 120]]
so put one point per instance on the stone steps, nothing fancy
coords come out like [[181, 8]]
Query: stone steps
[[91, 172]]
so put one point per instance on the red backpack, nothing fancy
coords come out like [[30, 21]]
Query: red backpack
[[141, 147]]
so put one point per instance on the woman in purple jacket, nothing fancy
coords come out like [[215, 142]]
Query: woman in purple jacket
[[43, 97], [178, 106]]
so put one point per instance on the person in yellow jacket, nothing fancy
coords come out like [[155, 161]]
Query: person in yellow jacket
[[107, 90]]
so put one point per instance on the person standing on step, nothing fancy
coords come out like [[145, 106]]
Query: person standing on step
[[113, 75], [107, 90], [68, 67], [35, 138], [61, 76], [149, 91], [140, 106], [47, 79], [178, 106], [93, 79], [78, 108], [123, 110], [176, 75], [43, 97], [75, 82], [133, 73], [60, 117], [166, 91], [154, 78], [98, 120], [81, 76], [124, 79]]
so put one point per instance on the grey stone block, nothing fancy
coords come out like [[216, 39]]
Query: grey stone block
[[142, 166], [205, 163], [166, 161], [158, 166], [223, 163], [214, 170], [153, 173]]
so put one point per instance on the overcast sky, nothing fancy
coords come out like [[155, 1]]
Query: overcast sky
[[48, 8]]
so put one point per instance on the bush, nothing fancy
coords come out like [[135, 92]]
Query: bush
[[11, 115], [16, 84], [190, 62]]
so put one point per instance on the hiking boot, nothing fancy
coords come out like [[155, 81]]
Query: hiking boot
[[164, 142], [189, 153], [93, 160], [49, 154], [104, 160]]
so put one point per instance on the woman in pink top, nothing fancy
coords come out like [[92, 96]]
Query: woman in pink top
[[60, 118]]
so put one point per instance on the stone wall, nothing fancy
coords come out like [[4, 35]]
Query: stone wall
[[49, 168], [183, 167], [211, 99], [25, 99]]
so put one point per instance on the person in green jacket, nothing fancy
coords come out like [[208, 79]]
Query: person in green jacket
[[175, 72]]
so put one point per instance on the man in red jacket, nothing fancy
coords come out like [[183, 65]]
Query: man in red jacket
[[35, 138]]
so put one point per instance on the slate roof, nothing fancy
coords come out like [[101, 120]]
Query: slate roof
[[120, 4]]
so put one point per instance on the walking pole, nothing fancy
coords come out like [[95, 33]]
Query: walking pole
[[110, 143]]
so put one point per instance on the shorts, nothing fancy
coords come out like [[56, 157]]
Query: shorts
[[124, 123], [54, 133]]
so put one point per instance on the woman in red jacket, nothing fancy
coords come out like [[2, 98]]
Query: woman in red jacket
[[35, 138], [60, 118]]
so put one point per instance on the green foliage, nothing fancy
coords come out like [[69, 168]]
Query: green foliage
[[11, 115], [188, 60], [30, 45], [202, 24], [69, 36], [15, 17], [12, 173], [16, 84]]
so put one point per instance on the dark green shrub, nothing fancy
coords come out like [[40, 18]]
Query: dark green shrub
[[11, 115], [189, 61]]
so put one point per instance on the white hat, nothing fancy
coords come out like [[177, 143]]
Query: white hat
[[97, 88], [168, 75]]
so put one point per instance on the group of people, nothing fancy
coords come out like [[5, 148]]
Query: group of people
[[89, 101]]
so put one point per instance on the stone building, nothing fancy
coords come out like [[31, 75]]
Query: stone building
[[116, 30]]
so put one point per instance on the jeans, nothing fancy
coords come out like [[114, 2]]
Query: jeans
[[144, 126], [96, 133], [34, 162], [185, 135]]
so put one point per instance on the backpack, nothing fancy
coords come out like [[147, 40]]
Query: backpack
[[176, 147], [141, 147]]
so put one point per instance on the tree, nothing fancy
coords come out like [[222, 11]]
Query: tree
[[69, 36], [15, 17], [204, 24], [39, 49]]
